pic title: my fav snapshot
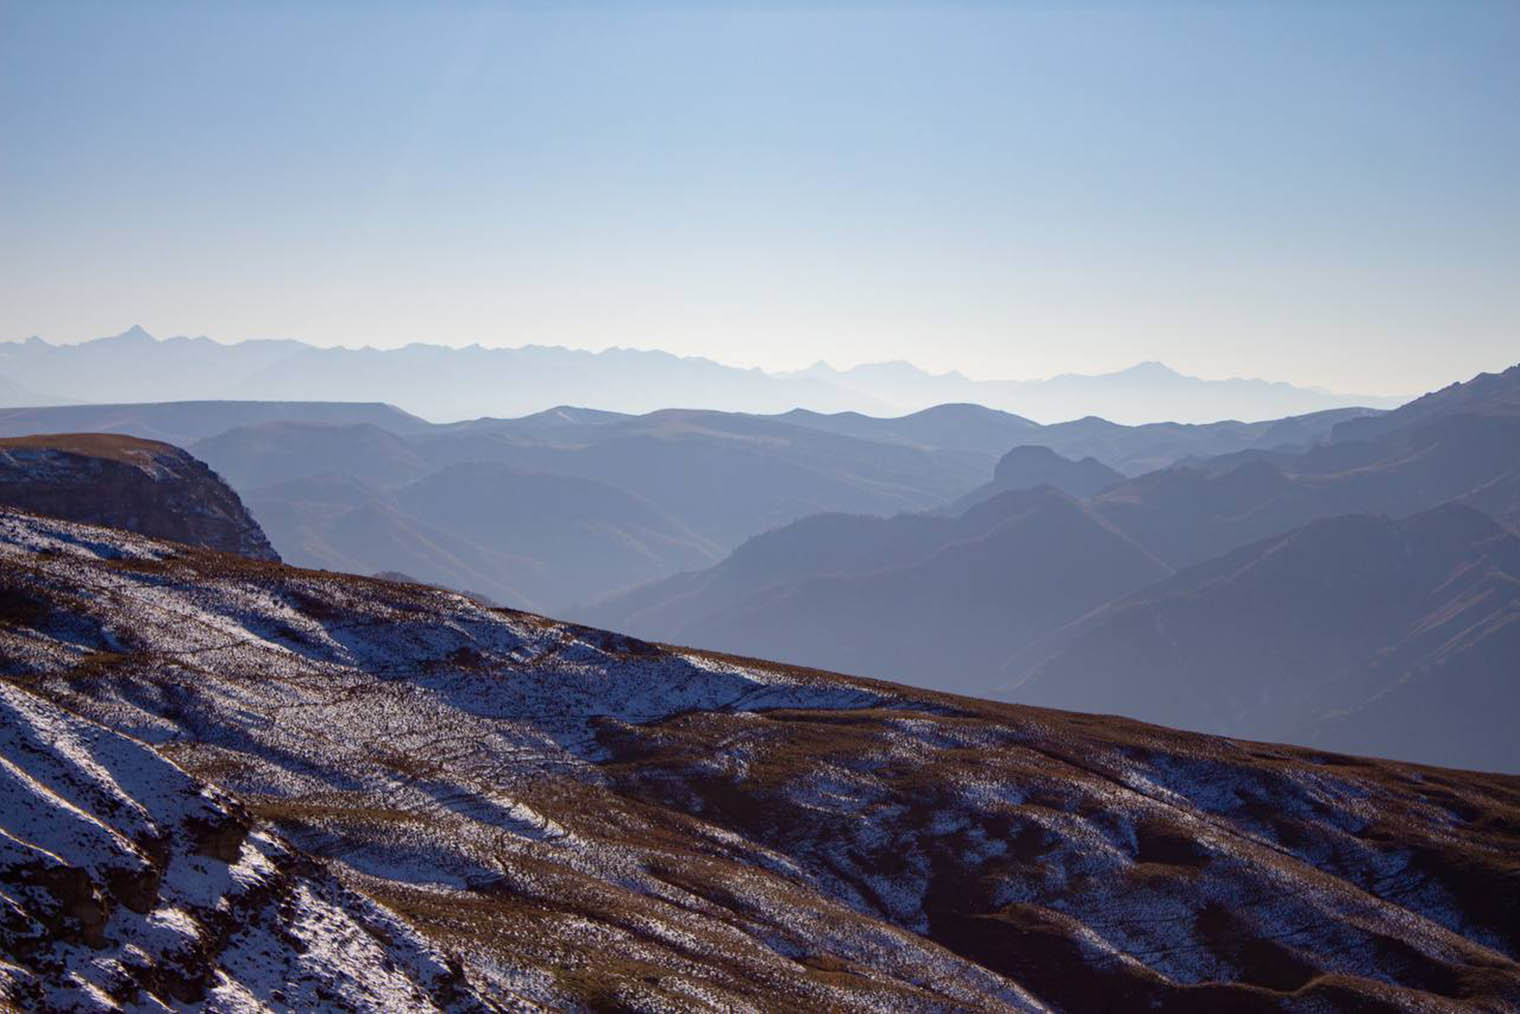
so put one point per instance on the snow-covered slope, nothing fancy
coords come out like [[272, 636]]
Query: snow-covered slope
[[556, 815], [126, 882]]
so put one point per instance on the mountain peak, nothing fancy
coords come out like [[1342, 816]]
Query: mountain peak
[[1150, 368], [135, 333]]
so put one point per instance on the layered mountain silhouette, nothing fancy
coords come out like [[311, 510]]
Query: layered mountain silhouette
[[1132, 395], [265, 453], [1358, 632], [12, 393], [445, 384], [878, 545], [1187, 514], [184, 422], [656, 494], [937, 601], [564, 517], [1491, 394], [862, 594], [230, 783], [1030, 467], [988, 434]]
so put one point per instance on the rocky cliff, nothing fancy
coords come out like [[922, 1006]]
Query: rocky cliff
[[120, 481]]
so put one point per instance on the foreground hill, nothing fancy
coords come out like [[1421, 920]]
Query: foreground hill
[[1389, 637], [489, 806], [125, 482], [119, 871]]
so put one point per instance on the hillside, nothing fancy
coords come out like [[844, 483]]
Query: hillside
[[1188, 514], [534, 540], [280, 450], [907, 598], [140, 485], [564, 817], [1138, 449], [122, 874], [937, 602], [336, 522], [1486, 394], [1453, 444], [582, 515], [1352, 633]]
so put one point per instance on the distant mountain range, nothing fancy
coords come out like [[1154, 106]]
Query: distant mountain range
[[558, 509], [959, 547], [1145, 392], [442, 383], [1343, 628]]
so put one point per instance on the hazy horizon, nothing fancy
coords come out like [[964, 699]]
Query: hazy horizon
[[1324, 195], [839, 367]]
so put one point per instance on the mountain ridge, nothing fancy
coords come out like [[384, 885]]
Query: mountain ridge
[[448, 383], [1295, 637]]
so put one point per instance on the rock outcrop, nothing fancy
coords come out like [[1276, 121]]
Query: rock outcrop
[[126, 482]]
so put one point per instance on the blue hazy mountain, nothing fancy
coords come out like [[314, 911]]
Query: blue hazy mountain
[[446, 383]]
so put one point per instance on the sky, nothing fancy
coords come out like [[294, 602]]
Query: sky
[[1325, 193]]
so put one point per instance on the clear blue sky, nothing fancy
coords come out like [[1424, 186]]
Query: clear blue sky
[[1321, 192]]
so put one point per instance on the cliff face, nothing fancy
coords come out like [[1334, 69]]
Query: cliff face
[[144, 486]]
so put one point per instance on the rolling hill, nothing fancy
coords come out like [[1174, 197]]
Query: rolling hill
[[248, 784], [929, 600]]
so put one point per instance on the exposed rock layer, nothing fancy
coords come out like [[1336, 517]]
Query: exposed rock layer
[[126, 482]]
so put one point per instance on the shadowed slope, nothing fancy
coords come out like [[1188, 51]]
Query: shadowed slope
[[1393, 637], [932, 600], [1188, 514], [1031, 467]]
